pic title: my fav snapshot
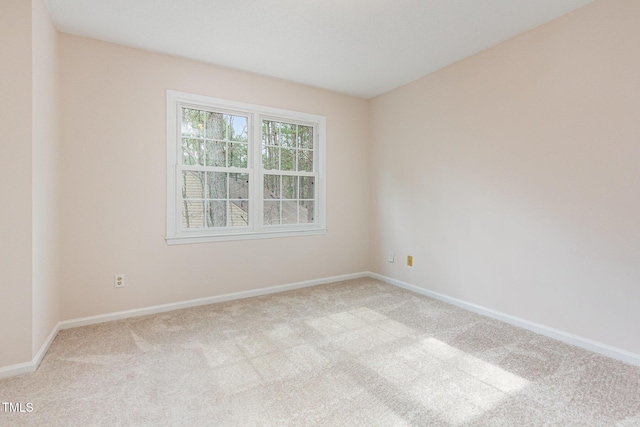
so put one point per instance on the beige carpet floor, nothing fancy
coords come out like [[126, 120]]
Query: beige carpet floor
[[355, 353]]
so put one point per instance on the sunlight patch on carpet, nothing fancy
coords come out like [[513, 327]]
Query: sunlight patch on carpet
[[465, 393]]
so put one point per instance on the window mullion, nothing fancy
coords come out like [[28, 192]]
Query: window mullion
[[258, 173]]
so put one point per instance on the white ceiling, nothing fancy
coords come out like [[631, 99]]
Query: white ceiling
[[357, 47]]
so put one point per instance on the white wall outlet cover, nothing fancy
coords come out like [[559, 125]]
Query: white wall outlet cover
[[118, 280]]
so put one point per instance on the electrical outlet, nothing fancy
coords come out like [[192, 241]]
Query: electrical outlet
[[118, 280], [409, 260], [390, 256]]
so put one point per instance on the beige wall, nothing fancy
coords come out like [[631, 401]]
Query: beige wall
[[46, 176], [114, 161], [512, 177], [15, 182]]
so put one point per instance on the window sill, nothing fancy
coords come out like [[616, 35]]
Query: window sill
[[206, 238]]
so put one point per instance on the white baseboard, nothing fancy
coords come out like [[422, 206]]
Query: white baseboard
[[18, 369], [90, 320], [28, 367], [587, 344], [45, 346]]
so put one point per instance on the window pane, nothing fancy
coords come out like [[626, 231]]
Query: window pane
[[238, 213], [269, 133], [238, 186], [192, 185], [192, 151], [271, 158], [289, 187], [216, 126], [216, 185], [227, 126], [217, 213], [238, 155], [271, 212], [305, 137], [271, 186], [307, 187], [193, 123], [287, 159], [305, 160], [289, 212], [192, 214], [239, 129], [287, 135], [278, 128], [307, 211], [216, 153]]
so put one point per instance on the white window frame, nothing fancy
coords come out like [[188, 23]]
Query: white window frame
[[256, 113]]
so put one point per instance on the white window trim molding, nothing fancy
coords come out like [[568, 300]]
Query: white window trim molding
[[176, 235]]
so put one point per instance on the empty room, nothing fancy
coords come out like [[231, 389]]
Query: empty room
[[323, 213]]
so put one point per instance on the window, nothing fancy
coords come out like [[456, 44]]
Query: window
[[242, 171]]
